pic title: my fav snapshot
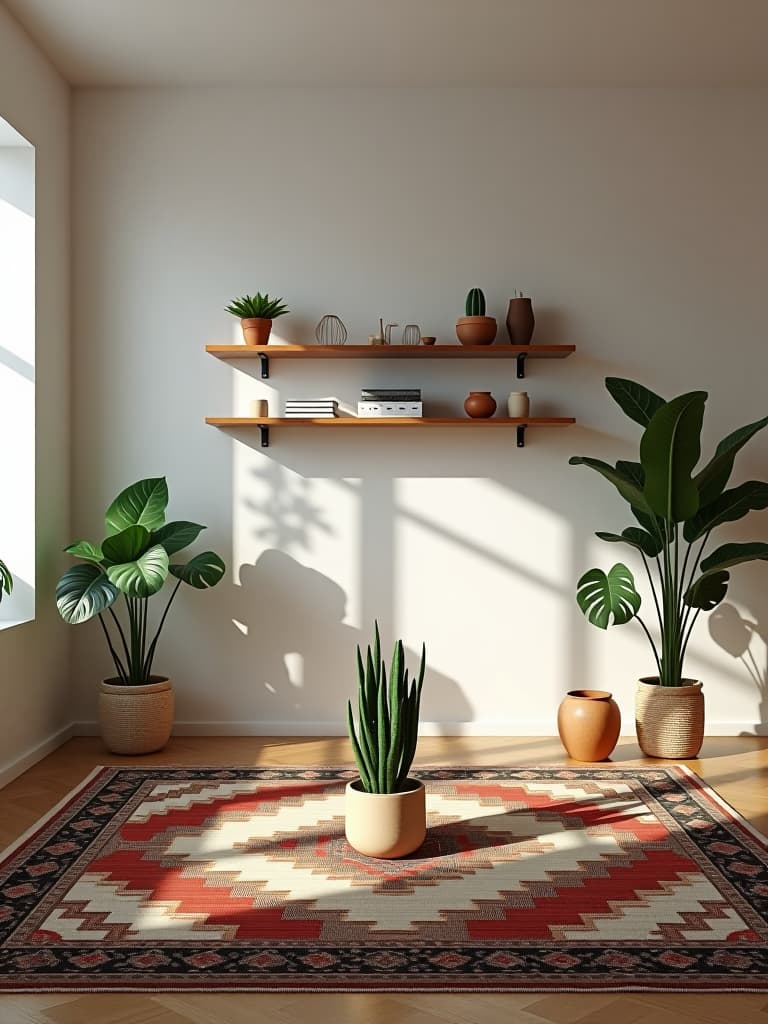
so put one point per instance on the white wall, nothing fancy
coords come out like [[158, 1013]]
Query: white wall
[[35, 656], [636, 219]]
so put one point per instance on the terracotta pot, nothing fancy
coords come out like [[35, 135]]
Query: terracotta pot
[[136, 719], [520, 321], [256, 330], [589, 722], [386, 824], [480, 405], [428, 339], [669, 719], [476, 330]]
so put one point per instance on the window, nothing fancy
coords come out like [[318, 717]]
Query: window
[[17, 372]]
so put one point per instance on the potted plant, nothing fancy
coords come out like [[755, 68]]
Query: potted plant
[[677, 507], [6, 580], [475, 328], [385, 808], [256, 314], [133, 562]]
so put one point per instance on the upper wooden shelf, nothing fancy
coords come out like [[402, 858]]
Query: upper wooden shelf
[[265, 353]]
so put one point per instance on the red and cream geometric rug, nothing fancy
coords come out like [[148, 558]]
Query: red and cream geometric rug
[[540, 879]]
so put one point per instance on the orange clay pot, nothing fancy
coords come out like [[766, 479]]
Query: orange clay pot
[[589, 722], [480, 405], [476, 330], [256, 330]]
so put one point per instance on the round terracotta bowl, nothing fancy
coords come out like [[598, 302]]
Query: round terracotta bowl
[[476, 330], [386, 825]]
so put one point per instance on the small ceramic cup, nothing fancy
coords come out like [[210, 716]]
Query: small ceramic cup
[[259, 409], [428, 339], [518, 405]]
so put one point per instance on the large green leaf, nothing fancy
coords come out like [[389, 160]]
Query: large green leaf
[[141, 504], [637, 402], [175, 536], [730, 506], [708, 591], [6, 580], [734, 554], [126, 546], [669, 450], [639, 539], [143, 576], [204, 570], [601, 596], [712, 479], [624, 484], [84, 549], [82, 592]]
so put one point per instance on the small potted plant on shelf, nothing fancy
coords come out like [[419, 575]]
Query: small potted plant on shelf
[[385, 808], [677, 507], [6, 580], [256, 314], [133, 562], [475, 328]]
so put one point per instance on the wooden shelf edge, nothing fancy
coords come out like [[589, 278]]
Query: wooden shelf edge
[[400, 421], [389, 351]]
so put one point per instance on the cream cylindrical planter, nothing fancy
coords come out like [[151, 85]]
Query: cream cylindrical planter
[[386, 825], [669, 719], [136, 719], [518, 405]]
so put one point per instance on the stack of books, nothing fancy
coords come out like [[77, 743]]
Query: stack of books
[[311, 408], [383, 402]]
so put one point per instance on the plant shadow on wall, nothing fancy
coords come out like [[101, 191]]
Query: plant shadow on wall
[[300, 649], [737, 635]]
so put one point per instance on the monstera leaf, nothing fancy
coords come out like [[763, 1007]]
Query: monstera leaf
[[204, 570], [624, 483], [601, 596], [83, 592], [637, 402], [141, 504], [175, 536], [143, 576], [708, 591], [712, 479], [669, 451]]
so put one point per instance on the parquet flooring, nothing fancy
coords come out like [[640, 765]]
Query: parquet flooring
[[737, 768]]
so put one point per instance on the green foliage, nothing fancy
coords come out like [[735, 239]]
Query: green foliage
[[475, 304], [257, 306], [677, 510], [133, 562], [6, 580], [388, 718]]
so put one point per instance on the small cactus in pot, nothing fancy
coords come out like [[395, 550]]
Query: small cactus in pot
[[385, 808], [475, 328]]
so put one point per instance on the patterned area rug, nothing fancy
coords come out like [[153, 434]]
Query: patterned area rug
[[542, 879]]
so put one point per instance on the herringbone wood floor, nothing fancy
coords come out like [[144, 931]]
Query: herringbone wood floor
[[736, 768]]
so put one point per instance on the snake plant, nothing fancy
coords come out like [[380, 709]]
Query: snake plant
[[388, 718], [677, 506]]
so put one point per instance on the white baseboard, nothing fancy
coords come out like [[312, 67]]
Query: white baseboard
[[339, 728], [12, 769]]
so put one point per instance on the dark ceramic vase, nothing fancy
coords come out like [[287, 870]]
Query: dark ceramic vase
[[520, 321], [480, 405]]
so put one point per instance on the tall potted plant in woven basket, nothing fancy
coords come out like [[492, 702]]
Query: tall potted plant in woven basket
[[677, 505], [128, 568], [385, 809]]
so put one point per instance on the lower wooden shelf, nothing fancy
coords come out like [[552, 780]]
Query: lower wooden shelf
[[265, 424]]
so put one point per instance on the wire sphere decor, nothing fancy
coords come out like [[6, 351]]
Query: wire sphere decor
[[330, 331]]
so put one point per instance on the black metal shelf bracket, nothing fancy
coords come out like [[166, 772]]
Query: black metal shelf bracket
[[521, 365], [264, 431], [521, 435], [264, 360]]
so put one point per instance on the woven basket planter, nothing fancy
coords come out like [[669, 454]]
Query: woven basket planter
[[669, 719], [136, 719]]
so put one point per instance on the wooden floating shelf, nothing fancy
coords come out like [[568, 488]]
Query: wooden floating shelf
[[351, 422], [265, 353]]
